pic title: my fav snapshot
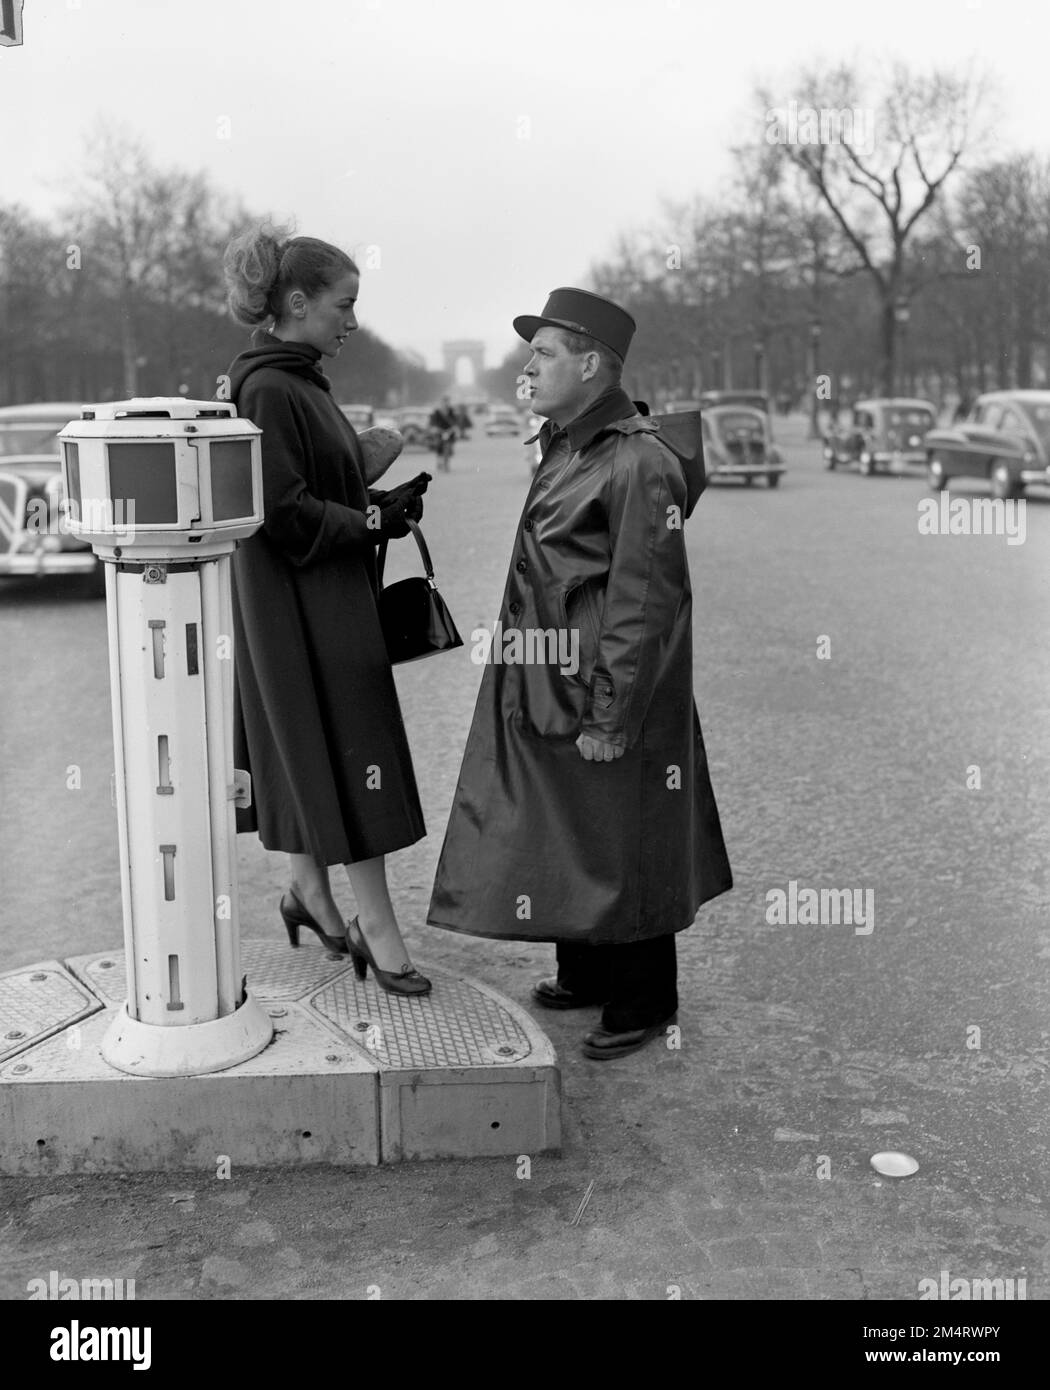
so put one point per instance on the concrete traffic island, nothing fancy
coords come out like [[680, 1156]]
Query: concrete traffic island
[[165, 1058], [351, 1075]]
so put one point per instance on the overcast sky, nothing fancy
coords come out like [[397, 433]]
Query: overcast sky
[[490, 150]]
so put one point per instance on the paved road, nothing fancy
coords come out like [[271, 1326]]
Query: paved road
[[799, 1041]]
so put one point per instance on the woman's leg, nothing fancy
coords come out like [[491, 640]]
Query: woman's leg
[[376, 917], [310, 885]]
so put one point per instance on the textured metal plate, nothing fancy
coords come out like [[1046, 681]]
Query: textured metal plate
[[105, 974], [38, 1001], [458, 1025], [273, 968], [276, 971]]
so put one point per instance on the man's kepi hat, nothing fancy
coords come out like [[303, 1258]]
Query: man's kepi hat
[[582, 312]]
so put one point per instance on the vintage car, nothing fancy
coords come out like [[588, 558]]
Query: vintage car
[[757, 399], [34, 536], [503, 419], [414, 423], [1005, 439], [885, 432], [738, 440], [362, 417]]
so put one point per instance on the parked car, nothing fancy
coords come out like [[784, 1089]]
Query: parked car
[[34, 538], [738, 443], [503, 419], [758, 399], [1005, 439], [414, 424], [887, 432], [362, 417]]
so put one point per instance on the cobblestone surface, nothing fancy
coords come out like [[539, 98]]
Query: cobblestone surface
[[736, 1166]]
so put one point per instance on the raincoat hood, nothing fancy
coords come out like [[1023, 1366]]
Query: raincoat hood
[[268, 351]]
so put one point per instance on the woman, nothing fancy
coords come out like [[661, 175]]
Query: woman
[[317, 716]]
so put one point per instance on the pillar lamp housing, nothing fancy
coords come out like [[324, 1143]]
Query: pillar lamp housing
[[162, 475], [164, 489]]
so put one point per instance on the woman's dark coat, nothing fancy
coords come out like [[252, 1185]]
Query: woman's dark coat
[[542, 845], [317, 721]]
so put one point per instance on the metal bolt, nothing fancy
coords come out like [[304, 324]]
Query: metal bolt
[[15, 1033], [277, 1013], [39, 975], [22, 1066], [105, 965], [505, 1051], [333, 1057]]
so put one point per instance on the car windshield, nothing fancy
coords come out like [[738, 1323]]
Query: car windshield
[[1039, 415], [29, 439], [915, 416], [741, 420]]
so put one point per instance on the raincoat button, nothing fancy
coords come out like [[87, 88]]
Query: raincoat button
[[515, 609], [521, 566], [529, 524]]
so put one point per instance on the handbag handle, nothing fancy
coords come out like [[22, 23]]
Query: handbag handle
[[423, 551]]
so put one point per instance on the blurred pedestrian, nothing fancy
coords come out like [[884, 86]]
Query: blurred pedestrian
[[317, 717], [584, 813], [443, 426]]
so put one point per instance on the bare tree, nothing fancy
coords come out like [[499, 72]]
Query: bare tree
[[924, 128]]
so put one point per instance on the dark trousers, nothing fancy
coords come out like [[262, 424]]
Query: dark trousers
[[636, 983]]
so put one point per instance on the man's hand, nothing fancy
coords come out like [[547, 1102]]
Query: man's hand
[[596, 750]]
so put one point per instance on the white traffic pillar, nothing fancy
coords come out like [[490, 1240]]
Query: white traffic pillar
[[163, 489]]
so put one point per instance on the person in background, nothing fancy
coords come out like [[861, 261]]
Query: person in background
[[443, 425]]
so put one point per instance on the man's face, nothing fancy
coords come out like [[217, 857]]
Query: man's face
[[556, 378]]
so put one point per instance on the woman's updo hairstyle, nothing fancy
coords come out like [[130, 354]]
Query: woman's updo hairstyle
[[261, 266]]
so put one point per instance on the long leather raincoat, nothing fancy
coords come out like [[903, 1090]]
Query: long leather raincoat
[[541, 844]]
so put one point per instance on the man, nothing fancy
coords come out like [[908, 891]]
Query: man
[[584, 812], [443, 425]]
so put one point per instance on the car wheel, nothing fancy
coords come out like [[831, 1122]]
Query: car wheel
[[1004, 484], [867, 465], [936, 476], [772, 479]]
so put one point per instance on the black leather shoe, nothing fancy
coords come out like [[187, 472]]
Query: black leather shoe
[[603, 1046], [551, 995]]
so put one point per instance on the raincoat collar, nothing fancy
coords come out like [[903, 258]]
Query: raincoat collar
[[612, 405]]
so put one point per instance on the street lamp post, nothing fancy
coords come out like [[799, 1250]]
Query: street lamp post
[[760, 364], [814, 369], [901, 314]]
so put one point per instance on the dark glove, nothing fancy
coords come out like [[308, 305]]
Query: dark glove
[[392, 523], [415, 487], [404, 501]]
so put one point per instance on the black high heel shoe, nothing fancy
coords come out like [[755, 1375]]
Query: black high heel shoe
[[408, 980], [296, 916]]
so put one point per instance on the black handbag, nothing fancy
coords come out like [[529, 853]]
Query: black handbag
[[415, 618]]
